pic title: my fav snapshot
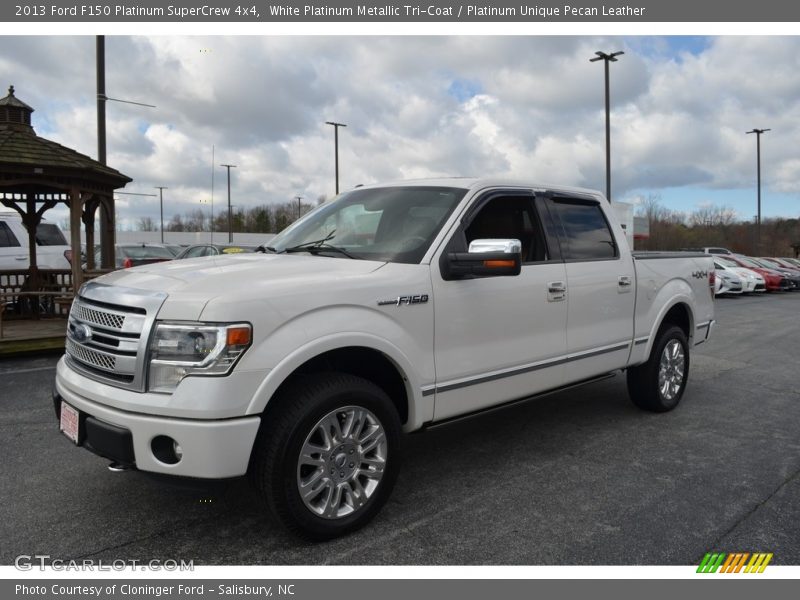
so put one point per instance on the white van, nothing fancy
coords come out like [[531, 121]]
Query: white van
[[52, 249]]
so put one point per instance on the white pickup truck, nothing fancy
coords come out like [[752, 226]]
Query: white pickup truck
[[388, 309]]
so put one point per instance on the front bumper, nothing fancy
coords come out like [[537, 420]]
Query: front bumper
[[211, 449]]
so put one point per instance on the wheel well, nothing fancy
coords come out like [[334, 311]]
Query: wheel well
[[366, 363], [679, 315]]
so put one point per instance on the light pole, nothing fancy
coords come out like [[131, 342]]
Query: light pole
[[758, 133], [230, 225], [336, 147], [607, 58], [233, 210], [298, 198], [107, 233], [161, 189]]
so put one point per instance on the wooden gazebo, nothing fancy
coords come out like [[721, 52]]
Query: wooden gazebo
[[37, 174]]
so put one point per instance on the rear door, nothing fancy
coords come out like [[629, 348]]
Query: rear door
[[13, 254], [499, 338], [600, 287]]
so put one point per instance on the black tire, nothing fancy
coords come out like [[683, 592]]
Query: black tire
[[302, 407], [643, 381]]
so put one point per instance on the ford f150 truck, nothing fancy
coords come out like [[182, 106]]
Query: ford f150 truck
[[390, 308]]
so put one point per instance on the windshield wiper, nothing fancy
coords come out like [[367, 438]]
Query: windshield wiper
[[316, 249], [305, 245], [316, 246]]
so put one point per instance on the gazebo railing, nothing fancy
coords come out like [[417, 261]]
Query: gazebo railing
[[49, 297]]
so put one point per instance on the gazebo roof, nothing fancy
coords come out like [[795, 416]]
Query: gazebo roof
[[21, 148], [12, 100]]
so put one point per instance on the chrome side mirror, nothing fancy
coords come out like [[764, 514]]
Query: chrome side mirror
[[485, 258], [509, 246]]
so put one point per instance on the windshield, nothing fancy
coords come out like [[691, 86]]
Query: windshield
[[771, 263], [394, 224], [763, 263], [145, 252], [726, 262], [747, 262]]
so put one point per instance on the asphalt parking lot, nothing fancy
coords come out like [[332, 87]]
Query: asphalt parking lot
[[581, 477]]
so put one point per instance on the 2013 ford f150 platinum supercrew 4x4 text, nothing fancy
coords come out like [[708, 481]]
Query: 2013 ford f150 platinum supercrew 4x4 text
[[387, 309]]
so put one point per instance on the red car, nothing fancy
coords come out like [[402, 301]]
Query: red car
[[775, 281]]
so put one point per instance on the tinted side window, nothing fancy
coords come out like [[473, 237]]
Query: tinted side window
[[511, 217], [48, 234], [586, 232], [7, 237]]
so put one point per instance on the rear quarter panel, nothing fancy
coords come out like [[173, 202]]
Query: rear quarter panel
[[663, 281]]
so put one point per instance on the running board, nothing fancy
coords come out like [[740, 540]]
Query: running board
[[498, 407]]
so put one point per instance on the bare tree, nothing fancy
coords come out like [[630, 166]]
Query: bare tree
[[176, 224], [711, 215], [146, 224], [195, 221]]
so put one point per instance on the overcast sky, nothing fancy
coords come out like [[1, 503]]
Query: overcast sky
[[526, 107]]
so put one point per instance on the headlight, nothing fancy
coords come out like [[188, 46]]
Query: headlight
[[182, 349]]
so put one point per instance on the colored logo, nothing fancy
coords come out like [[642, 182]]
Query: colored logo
[[737, 562]]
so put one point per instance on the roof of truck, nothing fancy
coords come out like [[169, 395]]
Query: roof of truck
[[476, 183]]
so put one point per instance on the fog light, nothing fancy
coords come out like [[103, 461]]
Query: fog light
[[166, 450]]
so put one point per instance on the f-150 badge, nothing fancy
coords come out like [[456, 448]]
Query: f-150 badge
[[405, 300]]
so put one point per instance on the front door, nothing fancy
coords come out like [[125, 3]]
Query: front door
[[500, 338]]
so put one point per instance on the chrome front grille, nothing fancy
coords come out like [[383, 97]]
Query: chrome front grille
[[107, 362], [98, 317], [108, 331]]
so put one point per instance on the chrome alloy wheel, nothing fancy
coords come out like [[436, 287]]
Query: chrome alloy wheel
[[341, 462], [671, 370]]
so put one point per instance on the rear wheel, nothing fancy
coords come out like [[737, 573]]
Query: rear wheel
[[327, 458], [658, 384]]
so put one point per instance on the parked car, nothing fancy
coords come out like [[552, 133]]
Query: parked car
[[134, 255], [52, 249], [792, 274], [780, 264], [198, 250], [303, 366], [751, 281], [774, 280], [727, 282], [792, 261], [708, 250]]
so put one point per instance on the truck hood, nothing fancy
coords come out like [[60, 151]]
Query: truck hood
[[192, 283]]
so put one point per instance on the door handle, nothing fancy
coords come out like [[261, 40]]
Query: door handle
[[556, 291], [624, 283]]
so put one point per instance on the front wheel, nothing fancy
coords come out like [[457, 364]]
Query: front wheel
[[658, 384], [327, 458]]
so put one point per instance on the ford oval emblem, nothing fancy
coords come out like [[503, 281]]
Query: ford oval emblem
[[82, 333]]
